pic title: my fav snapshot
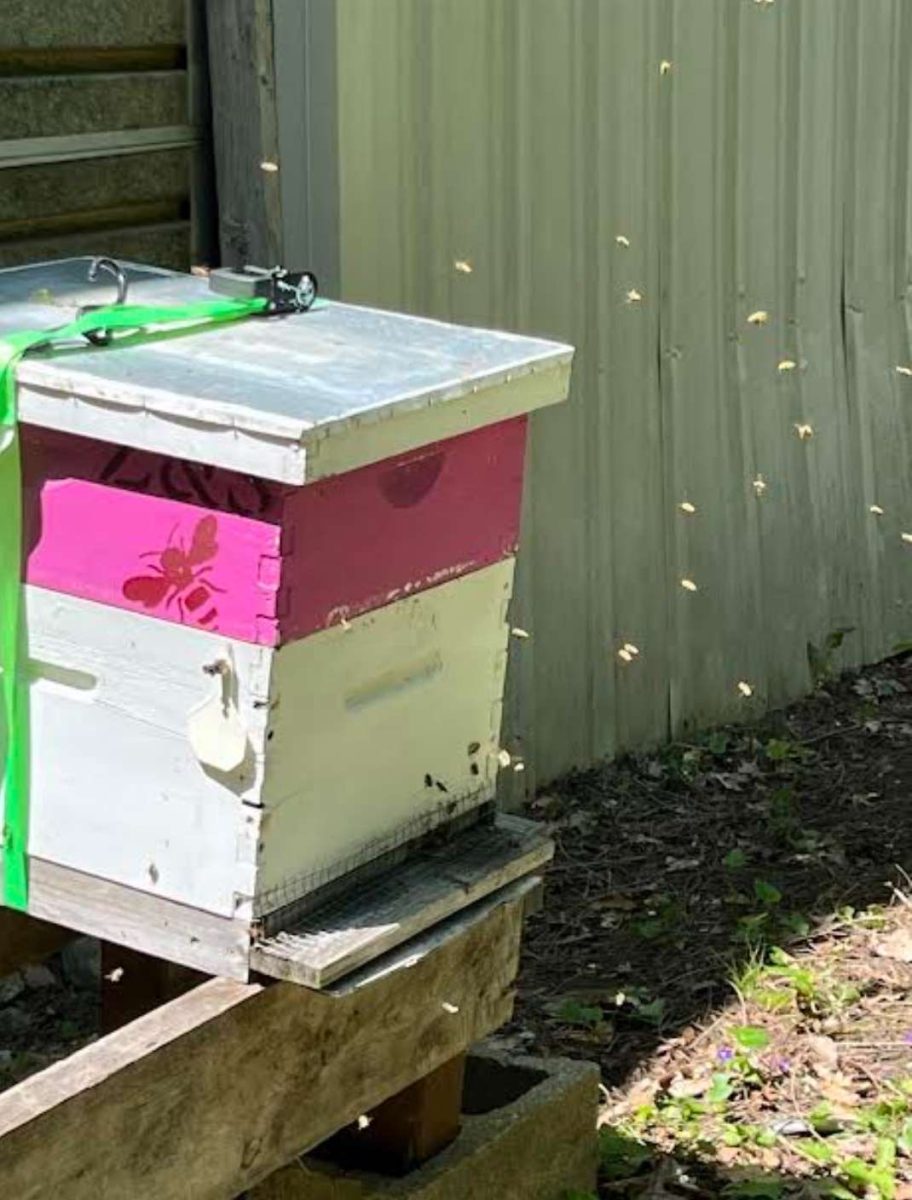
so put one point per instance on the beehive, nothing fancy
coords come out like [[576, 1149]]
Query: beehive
[[267, 573]]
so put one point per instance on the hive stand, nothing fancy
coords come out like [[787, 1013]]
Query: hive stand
[[210, 1092]]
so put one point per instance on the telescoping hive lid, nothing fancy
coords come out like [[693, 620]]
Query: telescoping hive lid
[[291, 398]]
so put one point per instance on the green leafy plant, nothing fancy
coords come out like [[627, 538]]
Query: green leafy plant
[[572, 1012], [621, 1156], [662, 919], [821, 658], [750, 1037], [735, 859], [780, 750], [766, 893]]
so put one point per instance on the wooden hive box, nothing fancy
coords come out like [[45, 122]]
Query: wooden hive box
[[267, 572]]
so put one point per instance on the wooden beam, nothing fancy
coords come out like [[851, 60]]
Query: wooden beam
[[215, 1090], [115, 216], [245, 130], [27, 152], [176, 932], [406, 1130], [24, 940], [75, 60]]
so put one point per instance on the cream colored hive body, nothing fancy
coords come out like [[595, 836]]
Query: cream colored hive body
[[268, 568]]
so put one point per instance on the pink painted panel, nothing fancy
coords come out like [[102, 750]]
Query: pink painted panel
[[366, 538], [255, 561], [215, 571], [48, 454]]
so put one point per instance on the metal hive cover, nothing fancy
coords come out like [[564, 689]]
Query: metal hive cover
[[268, 394]]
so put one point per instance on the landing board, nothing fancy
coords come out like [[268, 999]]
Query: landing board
[[374, 918]]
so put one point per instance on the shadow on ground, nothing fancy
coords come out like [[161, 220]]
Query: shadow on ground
[[678, 872]]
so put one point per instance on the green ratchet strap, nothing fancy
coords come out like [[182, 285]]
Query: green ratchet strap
[[14, 739]]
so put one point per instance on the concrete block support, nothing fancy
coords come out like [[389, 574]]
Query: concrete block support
[[528, 1133]]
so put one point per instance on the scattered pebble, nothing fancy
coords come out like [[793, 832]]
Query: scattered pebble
[[40, 976], [11, 987], [80, 963]]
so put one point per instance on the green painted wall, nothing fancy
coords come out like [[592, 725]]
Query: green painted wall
[[491, 156]]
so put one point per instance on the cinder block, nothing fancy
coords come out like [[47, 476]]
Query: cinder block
[[528, 1134]]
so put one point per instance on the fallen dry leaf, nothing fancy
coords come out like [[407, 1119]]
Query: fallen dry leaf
[[824, 1048], [896, 945], [682, 1088], [643, 1092], [839, 1092], [618, 901]]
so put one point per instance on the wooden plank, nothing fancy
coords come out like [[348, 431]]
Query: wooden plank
[[204, 203], [206, 1096], [49, 23], [55, 190], [215, 945], [407, 1129], [361, 541], [245, 132], [77, 60], [24, 152], [25, 940], [381, 730], [88, 221], [77, 104], [377, 916], [162, 245], [117, 791]]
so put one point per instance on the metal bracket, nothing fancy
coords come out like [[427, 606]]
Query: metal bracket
[[102, 337], [286, 291]]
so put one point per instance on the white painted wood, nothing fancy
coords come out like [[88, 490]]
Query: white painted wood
[[371, 438], [360, 738], [374, 918], [216, 945], [116, 790], [251, 394], [368, 720]]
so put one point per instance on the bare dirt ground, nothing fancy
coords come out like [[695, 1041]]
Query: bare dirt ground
[[728, 932]]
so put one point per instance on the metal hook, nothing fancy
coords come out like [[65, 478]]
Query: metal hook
[[102, 337]]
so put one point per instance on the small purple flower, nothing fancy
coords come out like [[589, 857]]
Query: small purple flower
[[783, 1066], [907, 1037], [725, 1054]]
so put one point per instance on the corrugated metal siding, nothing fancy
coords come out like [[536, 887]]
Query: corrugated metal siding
[[101, 138], [491, 154]]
